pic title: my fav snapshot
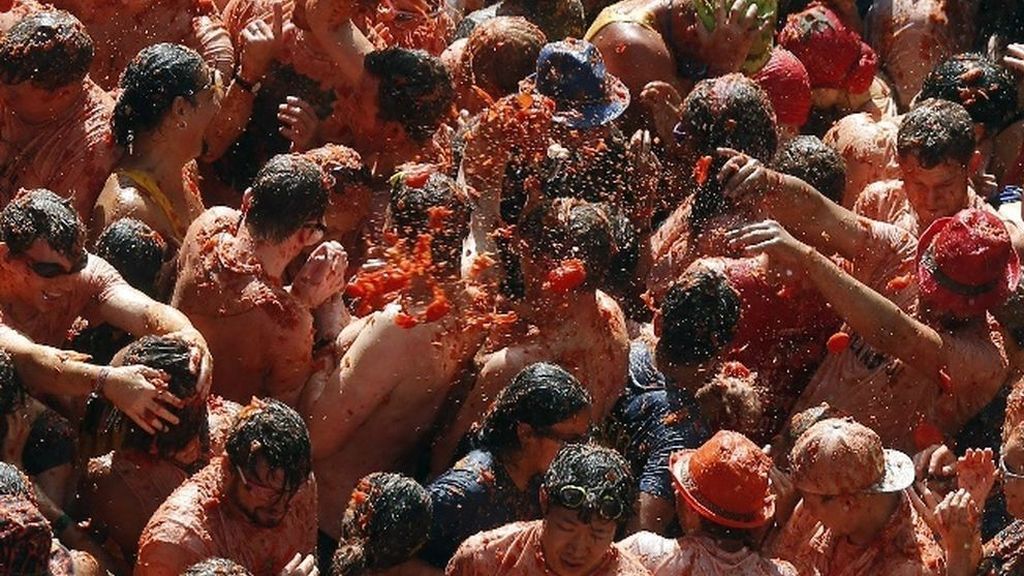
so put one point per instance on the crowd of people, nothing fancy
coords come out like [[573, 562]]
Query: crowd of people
[[523, 287]]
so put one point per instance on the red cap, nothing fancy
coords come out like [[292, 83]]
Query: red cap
[[785, 80], [834, 55]]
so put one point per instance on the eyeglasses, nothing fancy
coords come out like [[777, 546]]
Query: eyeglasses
[[265, 493], [53, 269], [577, 497], [1007, 474]]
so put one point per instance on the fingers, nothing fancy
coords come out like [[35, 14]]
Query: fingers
[[277, 20], [293, 563], [308, 566]]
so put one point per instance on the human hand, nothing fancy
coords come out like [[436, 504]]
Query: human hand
[[301, 565], [664, 107], [770, 238], [745, 177], [1014, 58], [140, 392], [261, 42], [958, 520], [935, 461], [976, 473], [731, 35], [298, 123], [322, 276], [646, 171]]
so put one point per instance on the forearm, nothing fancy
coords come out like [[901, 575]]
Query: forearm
[[875, 318], [963, 559], [46, 369], [230, 122], [814, 219]]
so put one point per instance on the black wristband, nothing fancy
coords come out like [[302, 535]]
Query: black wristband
[[250, 87]]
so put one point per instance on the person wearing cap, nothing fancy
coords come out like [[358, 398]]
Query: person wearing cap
[[854, 517], [588, 493], [723, 495], [918, 356], [670, 46]]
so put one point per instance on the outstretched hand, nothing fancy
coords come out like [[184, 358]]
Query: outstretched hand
[[298, 123], [322, 276], [260, 44], [301, 566], [1014, 58], [734, 31], [976, 473], [745, 177]]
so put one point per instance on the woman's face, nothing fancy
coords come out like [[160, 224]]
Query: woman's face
[[198, 115]]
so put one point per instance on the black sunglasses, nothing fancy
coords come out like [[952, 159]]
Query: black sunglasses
[[577, 497], [53, 270]]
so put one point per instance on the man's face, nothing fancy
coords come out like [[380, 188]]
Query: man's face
[[835, 512], [45, 269], [261, 494], [573, 547], [541, 445], [935, 192]]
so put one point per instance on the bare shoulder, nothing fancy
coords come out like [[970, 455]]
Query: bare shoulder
[[635, 54]]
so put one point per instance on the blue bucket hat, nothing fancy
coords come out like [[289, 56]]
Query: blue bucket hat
[[572, 73]]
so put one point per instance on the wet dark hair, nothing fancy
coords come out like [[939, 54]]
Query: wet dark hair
[[410, 210], [601, 175], [600, 471], [699, 315], [540, 395], [217, 567], [51, 49], [387, 521], [42, 215], [25, 537], [999, 23], [287, 193], [730, 111], [12, 390], [415, 89], [135, 250], [809, 159], [14, 482], [149, 85], [565, 228], [936, 131], [173, 356], [984, 88], [270, 431]]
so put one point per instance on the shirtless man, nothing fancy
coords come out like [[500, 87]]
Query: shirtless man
[[256, 505], [563, 247], [308, 79], [230, 282], [675, 44], [122, 489], [49, 281], [54, 121], [380, 403]]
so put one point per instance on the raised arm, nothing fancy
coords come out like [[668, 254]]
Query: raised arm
[[795, 204], [874, 317]]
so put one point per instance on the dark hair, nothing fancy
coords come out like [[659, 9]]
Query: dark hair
[[985, 89], [601, 174], [598, 470], [730, 111], [217, 567], [809, 159], [270, 431], [12, 390], [135, 250], [936, 131], [14, 482], [51, 49], [699, 315], [565, 228], [42, 215], [387, 521], [415, 89], [540, 395], [173, 356], [149, 85], [410, 210], [287, 193]]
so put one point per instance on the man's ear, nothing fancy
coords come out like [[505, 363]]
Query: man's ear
[[524, 432], [543, 500], [246, 200]]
